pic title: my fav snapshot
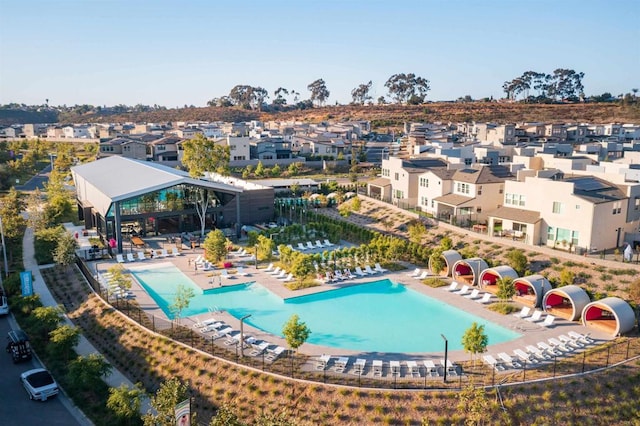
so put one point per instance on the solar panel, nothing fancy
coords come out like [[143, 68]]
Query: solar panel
[[589, 184]]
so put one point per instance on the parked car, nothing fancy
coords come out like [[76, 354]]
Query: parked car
[[39, 384], [4, 304], [18, 346]]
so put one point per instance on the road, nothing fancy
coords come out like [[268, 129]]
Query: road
[[37, 181], [15, 406]]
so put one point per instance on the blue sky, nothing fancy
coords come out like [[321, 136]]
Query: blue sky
[[174, 53]]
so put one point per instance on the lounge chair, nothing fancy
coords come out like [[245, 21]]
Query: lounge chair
[[310, 246], [558, 344], [537, 315], [207, 266], [282, 274], [338, 274], [141, 256], [119, 258], [492, 362], [175, 252], [273, 354], [453, 286], [415, 273], [568, 341], [222, 331], [464, 290], [288, 278], [259, 348], [275, 271], [359, 272], [510, 361], [290, 246], [340, 364], [525, 357], [319, 244], [165, 253], [130, 257], [198, 259], [537, 352], [379, 268], [328, 243], [523, 313], [451, 368], [269, 268], [430, 368], [394, 366], [225, 274], [584, 338], [377, 367], [369, 271], [474, 294], [241, 272], [347, 274], [550, 349], [486, 298], [548, 321], [359, 366], [422, 276], [301, 247], [412, 366]]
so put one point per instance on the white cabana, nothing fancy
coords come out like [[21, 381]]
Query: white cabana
[[468, 270], [531, 289], [611, 314], [566, 302], [489, 277], [450, 257]]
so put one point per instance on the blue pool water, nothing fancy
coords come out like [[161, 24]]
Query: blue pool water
[[381, 316]]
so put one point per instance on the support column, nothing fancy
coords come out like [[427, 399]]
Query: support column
[[117, 226]]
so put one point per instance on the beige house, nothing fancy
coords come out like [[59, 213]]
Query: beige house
[[432, 184], [583, 211], [123, 147], [165, 149]]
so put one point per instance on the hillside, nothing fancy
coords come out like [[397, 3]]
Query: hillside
[[382, 116]]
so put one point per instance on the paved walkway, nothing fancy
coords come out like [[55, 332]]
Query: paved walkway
[[84, 348]]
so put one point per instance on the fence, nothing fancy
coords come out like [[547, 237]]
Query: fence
[[592, 358]]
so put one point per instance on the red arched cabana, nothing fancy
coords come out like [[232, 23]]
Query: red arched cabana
[[611, 314], [467, 271], [531, 289], [566, 302], [489, 277]]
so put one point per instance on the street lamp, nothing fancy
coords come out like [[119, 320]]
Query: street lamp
[[4, 252], [446, 350], [256, 258], [242, 334]]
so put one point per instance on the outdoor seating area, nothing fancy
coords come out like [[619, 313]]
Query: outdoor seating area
[[381, 368]]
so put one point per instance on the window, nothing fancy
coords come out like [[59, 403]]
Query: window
[[574, 237], [480, 190], [424, 201], [232, 147], [399, 194], [551, 233], [637, 204], [433, 204], [514, 199], [462, 188], [577, 206], [424, 182], [397, 176], [558, 207], [617, 207]]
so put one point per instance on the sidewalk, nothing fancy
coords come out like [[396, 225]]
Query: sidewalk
[[84, 348]]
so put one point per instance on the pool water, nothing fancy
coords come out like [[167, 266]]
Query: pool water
[[380, 316]]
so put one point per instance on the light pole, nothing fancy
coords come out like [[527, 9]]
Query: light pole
[[242, 334], [256, 258], [446, 350], [4, 252]]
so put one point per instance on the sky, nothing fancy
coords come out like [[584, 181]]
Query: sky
[[175, 53]]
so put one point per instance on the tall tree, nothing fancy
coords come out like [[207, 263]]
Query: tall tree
[[164, 402], [506, 289], [474, 340], [181, 300], [295, 332], [360, 94], [242, 95], [204, 155], [13, 223], [65, 253], [319, 92], [125, 402], [215, 245], [280, 94], [405, 88], [86, 372], [62, 340]]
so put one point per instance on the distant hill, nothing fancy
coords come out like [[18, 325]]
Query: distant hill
[[382, 116]]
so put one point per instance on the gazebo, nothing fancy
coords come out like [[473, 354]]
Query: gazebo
[[450, 258], [531, 289], [566, 302], [611, 314], [468, 270], [489, 277]]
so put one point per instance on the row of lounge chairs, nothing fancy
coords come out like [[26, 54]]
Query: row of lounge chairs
[[536, 317], [279, 273], [114, 289], [467, 292], [311, 246], [378, 368], [564, 344], [141, 256], [221, 330], [347, 274]]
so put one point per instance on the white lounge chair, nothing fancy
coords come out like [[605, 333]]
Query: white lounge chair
[[282, 274], [359, 272], [584, 338], [394, 366], [275, 271], [412, 366], [453, 286], [379, 268], [347, 274], [548, 321], [301, 247], [290, 246], [141, 256], [269, 268], [558, 344], [486, 298], [509, 360], [359, 366], [474, 294], [275, 353], [225, 274], [310, 246], [259, 348], [568, 341], [119, 258], [523, 313], [319, 244], [241, 272], [377, 367], [175, 251], [537, 352], [492, 362], [338, 274], [451, 368], [422, 276], [549, 349], [415, 273], [369, 271], [288, 278], [130, 257], [340, 364], [525, 357], [537, 315], [430, 368], [328, 243], [464, 290]]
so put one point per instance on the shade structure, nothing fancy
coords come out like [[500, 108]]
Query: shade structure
[[489, 277], [450, 257], [611, 314], [531, 289], [566, 302], [468, 270]]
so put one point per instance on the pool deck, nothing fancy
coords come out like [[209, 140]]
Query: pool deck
[[531, 333]]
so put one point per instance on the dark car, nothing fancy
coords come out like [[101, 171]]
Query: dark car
[[18, 346]]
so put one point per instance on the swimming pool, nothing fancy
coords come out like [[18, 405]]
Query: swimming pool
[[380, 316]]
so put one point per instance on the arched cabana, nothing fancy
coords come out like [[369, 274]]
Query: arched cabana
[[489, 277], [566, 302], [467, 271], [450, 257], [531, 289], [611, 314]]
